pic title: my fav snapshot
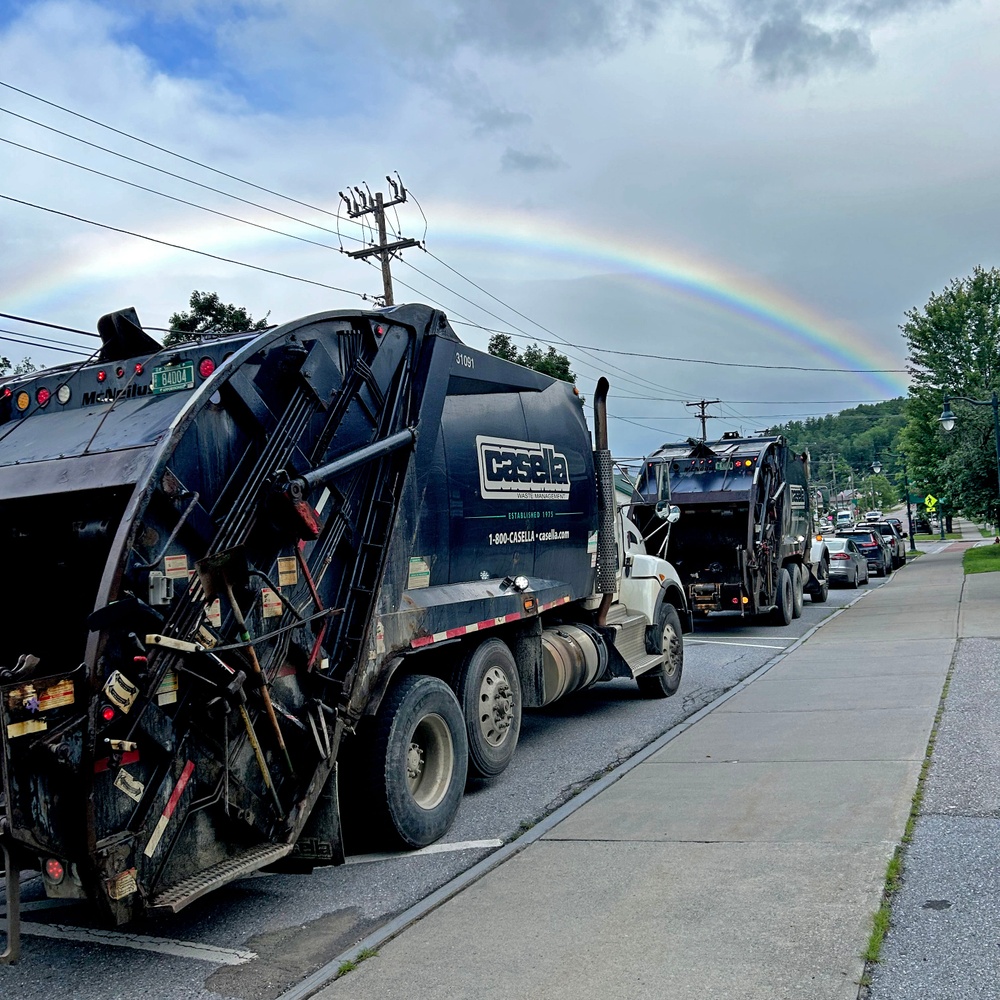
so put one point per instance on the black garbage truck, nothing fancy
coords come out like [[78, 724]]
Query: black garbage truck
[[236, 563], [748, 543]]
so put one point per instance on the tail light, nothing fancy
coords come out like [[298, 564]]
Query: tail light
[[205, 367], [54, 870], [839, 556]]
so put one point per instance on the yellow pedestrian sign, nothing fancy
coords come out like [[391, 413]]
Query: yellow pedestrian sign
[[930, 501]]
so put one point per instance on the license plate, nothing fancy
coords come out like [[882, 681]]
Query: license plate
[[171, 378]]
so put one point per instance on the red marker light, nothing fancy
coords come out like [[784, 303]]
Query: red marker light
[[7, 392], [379, 330], [138, 368], [107, 713], [102, 375], [120, 372], [54, 870], [42, 396], [205, 367]]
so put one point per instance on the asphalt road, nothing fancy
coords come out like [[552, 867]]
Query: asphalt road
[[258, 937]]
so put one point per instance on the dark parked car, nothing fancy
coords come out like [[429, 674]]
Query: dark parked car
[[848, 564], [893, 536], [874, 547], [921, 524]]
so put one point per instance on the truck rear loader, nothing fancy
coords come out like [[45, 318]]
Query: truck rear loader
[[231, 561], [749, 543]]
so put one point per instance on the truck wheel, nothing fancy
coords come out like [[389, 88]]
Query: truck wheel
[[666, 678], [782, 614], [820, 595], [418, 762], [489, 693], [797, 585]]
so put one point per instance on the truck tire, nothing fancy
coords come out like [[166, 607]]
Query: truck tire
[[820, 595], [797, 588], [782, 613], [418, 764], [489, 693], [666, 678]]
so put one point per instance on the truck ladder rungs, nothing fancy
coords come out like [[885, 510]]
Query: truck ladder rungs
[[175, 897]]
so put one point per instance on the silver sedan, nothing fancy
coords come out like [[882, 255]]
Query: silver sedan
[[848, 563]]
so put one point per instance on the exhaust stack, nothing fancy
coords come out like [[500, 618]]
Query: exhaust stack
[[607, 553]]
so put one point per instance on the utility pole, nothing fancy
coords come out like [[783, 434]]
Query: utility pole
[[361, 203], [703, 416]]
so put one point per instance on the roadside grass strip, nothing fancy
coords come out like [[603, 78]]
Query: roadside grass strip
[[982, 559], [882, 918]]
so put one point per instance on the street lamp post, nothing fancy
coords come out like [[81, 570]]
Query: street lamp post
[[948, 419], [877, 468]]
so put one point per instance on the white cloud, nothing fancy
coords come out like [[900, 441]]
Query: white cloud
[[858, 191]]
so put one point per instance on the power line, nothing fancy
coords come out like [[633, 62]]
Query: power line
[[171, 197], [169, 152], [48, 345], [177, 246], [708, 361], [51, 326], [176, 176]]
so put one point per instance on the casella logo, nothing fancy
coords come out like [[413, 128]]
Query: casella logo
[[521, 470]]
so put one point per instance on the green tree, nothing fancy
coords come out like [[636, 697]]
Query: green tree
[[954, 347], [24, 367], [548, 362], [208, 314]]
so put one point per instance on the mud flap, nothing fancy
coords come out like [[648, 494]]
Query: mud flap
[[322, 840], [12, 951]]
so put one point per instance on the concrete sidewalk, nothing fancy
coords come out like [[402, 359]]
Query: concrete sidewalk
[[945, 934], [743, 860]]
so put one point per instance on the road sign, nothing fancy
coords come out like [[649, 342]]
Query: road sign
[[930, 501]]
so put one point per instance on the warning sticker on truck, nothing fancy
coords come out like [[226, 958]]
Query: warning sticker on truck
[[121, 692], [126, 783], [122, 885], [166, 693], [419, 575], [272, 607]]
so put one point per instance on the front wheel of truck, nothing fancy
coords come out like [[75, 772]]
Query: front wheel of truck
[[822, 592], [489, 693], [666, 678], [419, 759]]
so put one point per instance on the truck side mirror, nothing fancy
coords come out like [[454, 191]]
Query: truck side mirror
[[666, 511]]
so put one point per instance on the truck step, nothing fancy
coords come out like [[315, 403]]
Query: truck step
[[631, 638], [651, 662], [175, 897]]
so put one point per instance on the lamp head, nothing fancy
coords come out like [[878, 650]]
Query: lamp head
[[947, 417]]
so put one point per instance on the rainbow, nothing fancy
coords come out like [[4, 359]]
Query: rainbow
[[517, 239], [706, 284]]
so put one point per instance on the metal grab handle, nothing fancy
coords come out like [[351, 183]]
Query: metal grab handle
[[13, 879]]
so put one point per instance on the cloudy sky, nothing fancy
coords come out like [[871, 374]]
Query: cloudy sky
[[765, 182]]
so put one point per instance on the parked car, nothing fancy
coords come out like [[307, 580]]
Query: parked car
[[874, 546], [848, 564], [894, 537], [921, 524]]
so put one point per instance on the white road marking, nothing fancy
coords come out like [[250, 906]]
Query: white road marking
[[45, 904], [163, 946], [723, 642], [465, 845]]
